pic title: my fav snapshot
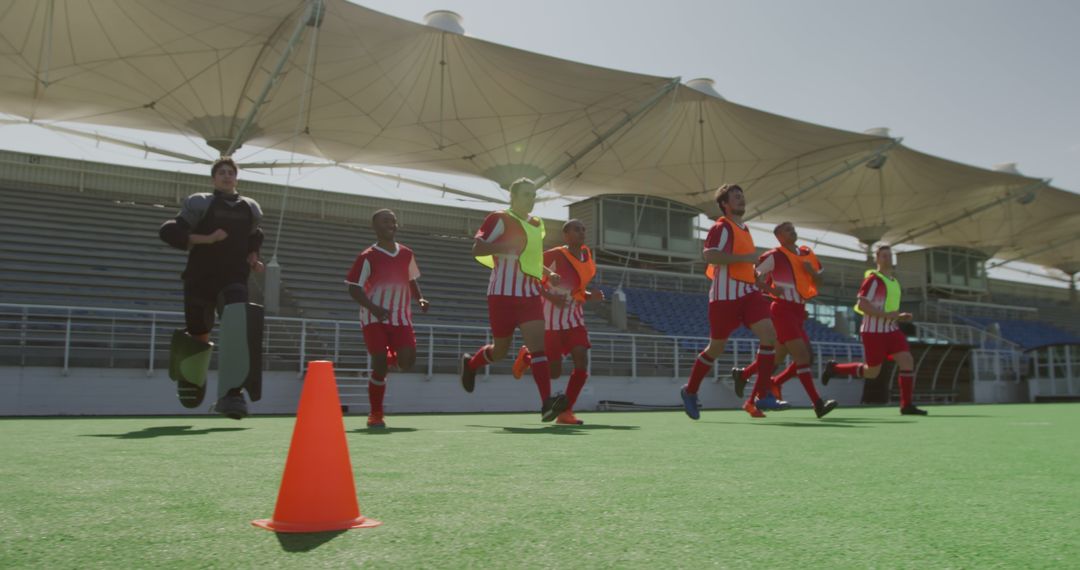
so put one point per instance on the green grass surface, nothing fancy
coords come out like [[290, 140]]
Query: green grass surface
[[969, 486]]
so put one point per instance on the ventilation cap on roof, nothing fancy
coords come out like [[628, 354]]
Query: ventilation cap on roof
[[704, 85], [877, 131], [1007, 167], [445, 20]]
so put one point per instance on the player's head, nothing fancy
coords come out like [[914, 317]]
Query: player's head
[[384, 222], [883, 255], [730, 199], [223, 173], [574, 233], [785, 233], [522, 195]]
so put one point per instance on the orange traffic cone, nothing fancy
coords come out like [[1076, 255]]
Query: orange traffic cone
[[317, 492]]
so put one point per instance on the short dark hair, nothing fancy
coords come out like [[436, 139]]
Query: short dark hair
[[382, 211], [223, 161], [566, 226], [776, 230], [882, 246], [723, 192]]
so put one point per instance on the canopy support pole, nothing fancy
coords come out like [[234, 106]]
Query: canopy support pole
[[815, 182], [600, 139], [1009, 195], [310, 16]]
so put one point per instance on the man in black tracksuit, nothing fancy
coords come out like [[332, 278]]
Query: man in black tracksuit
[[220, 231]]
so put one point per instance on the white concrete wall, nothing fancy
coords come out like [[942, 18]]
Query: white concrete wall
[[108, 391]]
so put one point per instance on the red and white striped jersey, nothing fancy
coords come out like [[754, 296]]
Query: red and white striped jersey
[[723, 287], [385, 277], [572, 314], [873, 290], [778, 268], [507, 278]]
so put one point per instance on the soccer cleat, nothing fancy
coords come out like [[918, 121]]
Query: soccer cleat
[[912, 411], [375, 422], [740, 382], [468, 375], [821, 408], [752, 409], [770, 402], [553, 406], [232, 406], [690, 404], [567, 418], [521, 363], [830, 371]]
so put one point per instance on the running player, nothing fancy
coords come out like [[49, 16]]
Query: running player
[[220, 231], [792, 276], [879, 304], [383, 281], [511, 243], [734, 299], [564, 324]]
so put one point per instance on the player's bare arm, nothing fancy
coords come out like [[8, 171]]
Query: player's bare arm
[[420, 300]]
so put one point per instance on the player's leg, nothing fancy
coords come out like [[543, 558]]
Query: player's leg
[[551, 406], [874, 351], [240, 359], [190, 350], [906, 379], [377, 341], [503, 323], [579, 354]]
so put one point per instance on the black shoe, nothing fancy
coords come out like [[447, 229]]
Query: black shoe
[[830, 371], [232, 406], [912, 411], [821, 408], [468, 375], [740, 382], [553, 406]]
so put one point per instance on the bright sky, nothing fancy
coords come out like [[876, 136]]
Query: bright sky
[[975, 81]]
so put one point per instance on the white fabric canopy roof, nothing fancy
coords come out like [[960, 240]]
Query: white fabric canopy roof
[[337, 81]]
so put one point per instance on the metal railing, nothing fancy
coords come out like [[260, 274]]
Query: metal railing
[[68, 336]]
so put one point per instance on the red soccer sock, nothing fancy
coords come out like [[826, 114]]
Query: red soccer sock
[[907, 388], [850, 369], [749, 371], [541, 372], [807, 382], [574, 386], [786, 375], [765, 359], [482, 357], [702, 366], [376, 389]]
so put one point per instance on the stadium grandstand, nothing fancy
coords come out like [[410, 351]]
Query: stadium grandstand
[[88, 287]]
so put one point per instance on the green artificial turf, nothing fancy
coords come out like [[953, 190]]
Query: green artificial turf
[[967, 487]]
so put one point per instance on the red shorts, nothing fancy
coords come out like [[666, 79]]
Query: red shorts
[[505, 313], [559, 343], [726, 316], [788, 319], [878, 346], [381, 337]]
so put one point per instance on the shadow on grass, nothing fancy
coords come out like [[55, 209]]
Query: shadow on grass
[[305, 541], [382, 431], [163, 431], [555, 429], [806, 424]]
